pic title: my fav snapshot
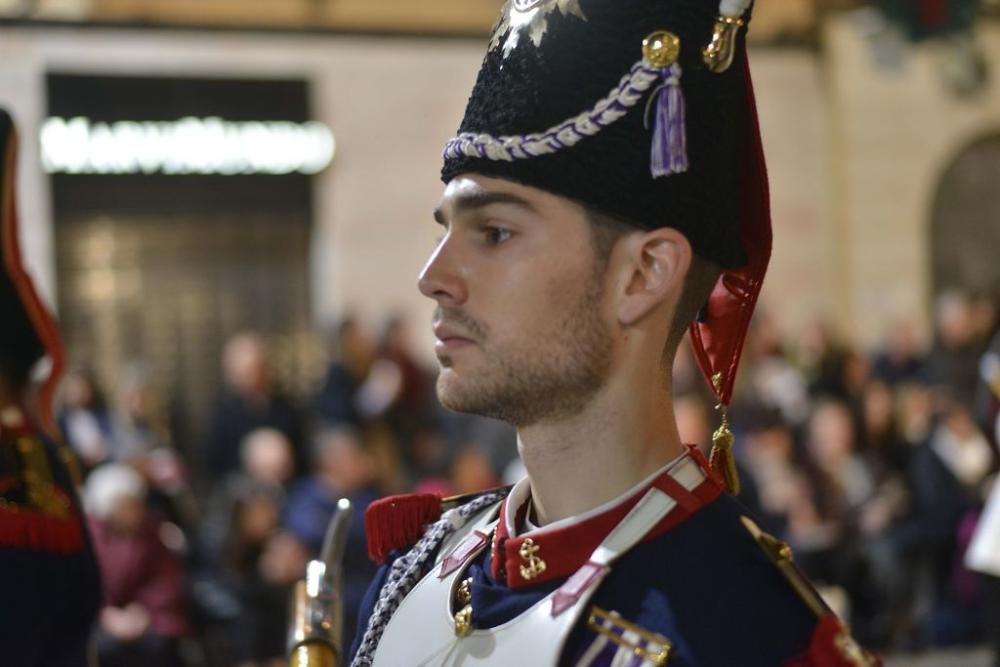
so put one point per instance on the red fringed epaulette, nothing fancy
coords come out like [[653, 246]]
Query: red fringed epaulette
[[33, 530], [833, 646], [399, 521]]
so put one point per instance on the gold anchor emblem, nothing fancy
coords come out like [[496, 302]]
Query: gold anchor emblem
[[535, 565]]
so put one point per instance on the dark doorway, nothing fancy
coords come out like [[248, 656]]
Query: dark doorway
[[965, 222], [161, 268]]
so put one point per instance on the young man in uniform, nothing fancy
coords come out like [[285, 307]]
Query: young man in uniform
[[48, 575], [606, 193]]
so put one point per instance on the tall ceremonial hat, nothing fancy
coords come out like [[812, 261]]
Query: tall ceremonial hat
[[643, 110], [28, 332]]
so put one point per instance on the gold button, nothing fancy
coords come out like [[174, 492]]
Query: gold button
[[464, 593], [463, 621], [661, 48]]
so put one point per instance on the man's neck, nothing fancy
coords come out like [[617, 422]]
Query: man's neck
[[581, 462]]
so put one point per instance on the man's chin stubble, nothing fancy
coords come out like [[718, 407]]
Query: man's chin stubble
[[516, 406]]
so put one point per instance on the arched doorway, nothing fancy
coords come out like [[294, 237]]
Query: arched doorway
[[965, 222]]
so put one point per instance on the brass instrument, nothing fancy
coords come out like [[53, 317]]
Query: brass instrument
[[315, 633]]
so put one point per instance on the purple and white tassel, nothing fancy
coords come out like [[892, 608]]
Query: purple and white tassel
[[669, 146]]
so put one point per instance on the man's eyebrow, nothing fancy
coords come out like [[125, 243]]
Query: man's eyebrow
[[472, 201]]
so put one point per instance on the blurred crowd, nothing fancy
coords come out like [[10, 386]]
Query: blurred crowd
[[201, 542], [874, 465]]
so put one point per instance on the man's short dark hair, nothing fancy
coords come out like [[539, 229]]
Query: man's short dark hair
[[606, 230]]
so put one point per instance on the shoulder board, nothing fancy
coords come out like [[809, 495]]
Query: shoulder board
[[831, 644], [780, 554], [395, 522]]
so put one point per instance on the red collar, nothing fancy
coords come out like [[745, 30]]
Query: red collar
[[554, 553]]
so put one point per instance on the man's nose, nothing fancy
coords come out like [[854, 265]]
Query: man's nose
[[441, 278]]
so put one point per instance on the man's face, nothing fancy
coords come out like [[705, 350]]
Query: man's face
[[522, 327]]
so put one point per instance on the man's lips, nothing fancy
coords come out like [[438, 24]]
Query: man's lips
[[449, 338]]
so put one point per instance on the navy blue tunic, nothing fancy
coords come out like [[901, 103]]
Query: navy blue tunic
[[706, 585]]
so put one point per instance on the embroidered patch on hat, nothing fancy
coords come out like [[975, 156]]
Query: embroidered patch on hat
[[528, 17]]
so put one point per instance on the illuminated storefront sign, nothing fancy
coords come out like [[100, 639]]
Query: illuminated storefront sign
[[190, 145]]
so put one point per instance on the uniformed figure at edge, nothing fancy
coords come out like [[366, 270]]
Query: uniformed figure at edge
[[606, 193], [49, 583]]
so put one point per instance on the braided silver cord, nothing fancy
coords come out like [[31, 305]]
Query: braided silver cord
[[408, 569], [570, 132]]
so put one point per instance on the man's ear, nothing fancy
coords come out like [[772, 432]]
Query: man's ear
[[654, 265]]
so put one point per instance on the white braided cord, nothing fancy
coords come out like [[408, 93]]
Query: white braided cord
[[408, 569], [508, 148]]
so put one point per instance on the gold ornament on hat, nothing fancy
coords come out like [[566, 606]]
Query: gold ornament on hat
[[531, 17], [722, 460], [718, 55], [661, 48]]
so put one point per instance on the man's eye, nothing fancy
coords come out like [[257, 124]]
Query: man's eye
[[496, 235]]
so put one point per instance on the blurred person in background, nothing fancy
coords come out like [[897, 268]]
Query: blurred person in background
[[985, 316], [471, 471], [770, 377], [250, 564], [266, 463], [260, 565], [987, 402], [839, 484], [821, 357], [354, 353], [881, 520], [685, 375], [946, 477], [496, 439], [86, 420], [900, 360], [849, 514], [374, 390], [145, 441], [771, 460], [342, 468], [144, 613], [412, 409], [953, 360], [250, 401], [883, 444], [48, 575], [916, 413], [983, 555], [842, 474], [141, 426]]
